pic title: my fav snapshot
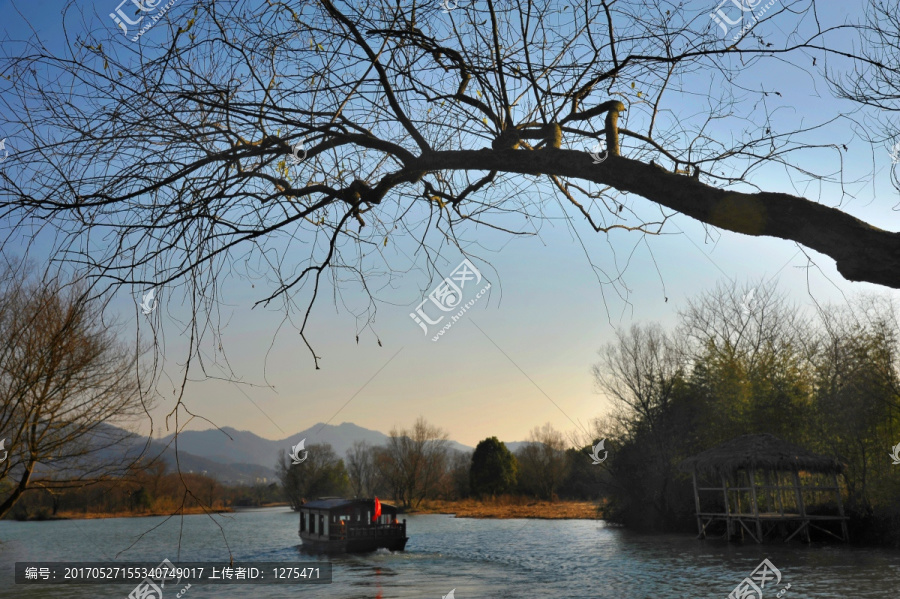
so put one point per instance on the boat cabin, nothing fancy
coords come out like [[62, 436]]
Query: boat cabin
[[335, 525]]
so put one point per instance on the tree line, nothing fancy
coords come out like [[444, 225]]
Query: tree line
[[417, 464], [145, 488], [414, 465]]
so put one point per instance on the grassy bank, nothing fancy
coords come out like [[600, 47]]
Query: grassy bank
[[501, 507], [75, 515], [511, 507]]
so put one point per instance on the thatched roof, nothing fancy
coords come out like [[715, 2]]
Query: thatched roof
[[760, 452]]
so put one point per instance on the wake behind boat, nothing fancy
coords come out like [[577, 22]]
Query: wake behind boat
[[336, 525]]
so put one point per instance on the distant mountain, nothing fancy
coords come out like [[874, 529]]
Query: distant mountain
[[117, 448], [514, 446], [460, 447], [229, 445], [226, 473], [230, 455]]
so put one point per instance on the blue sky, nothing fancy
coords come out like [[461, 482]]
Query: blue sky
[[522, 355]]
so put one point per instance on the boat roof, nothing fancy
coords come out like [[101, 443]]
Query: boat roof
[[338, 502]]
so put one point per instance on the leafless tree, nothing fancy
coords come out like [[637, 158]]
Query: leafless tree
[[638, 372], [414, 123], [416, 461], [64, 379], [542, 461], [601, 427], [389, 476], [361, 469], [742, 321], [211, 489], [460, 463], [875, 80]]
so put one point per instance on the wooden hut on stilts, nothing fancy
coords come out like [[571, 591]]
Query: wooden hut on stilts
[[760, 484]]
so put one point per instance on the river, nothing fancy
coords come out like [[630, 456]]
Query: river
[[491, 559]]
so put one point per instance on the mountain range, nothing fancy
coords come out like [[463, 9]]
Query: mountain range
[[241, 457]]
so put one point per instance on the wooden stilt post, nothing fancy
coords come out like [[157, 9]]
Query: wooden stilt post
[[771, 493], [800, 505], [752, 476], [701, 533], [840, 504], [727, 510], [780, 492]]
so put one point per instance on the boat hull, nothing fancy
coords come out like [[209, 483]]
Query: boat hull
[[357, 545]]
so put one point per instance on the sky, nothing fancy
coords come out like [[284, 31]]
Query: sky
[[522, 355]]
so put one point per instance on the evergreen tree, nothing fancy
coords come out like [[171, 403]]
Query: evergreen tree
[[494, 469]]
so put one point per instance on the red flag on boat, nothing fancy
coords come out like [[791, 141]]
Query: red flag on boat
[[377, 510]]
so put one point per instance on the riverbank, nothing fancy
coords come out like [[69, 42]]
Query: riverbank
[[503, 508], [500, 508], [70, 515]]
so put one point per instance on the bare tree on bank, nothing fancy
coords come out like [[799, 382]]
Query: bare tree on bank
[[460, 463], [361, 469], [542, 462], [390, 477], [64, 378], [412, 123], [638, 372], [414, 462]]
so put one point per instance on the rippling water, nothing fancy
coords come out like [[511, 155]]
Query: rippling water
[[479, 558]]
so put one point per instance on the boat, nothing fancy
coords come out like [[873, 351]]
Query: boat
[[337, 525]]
